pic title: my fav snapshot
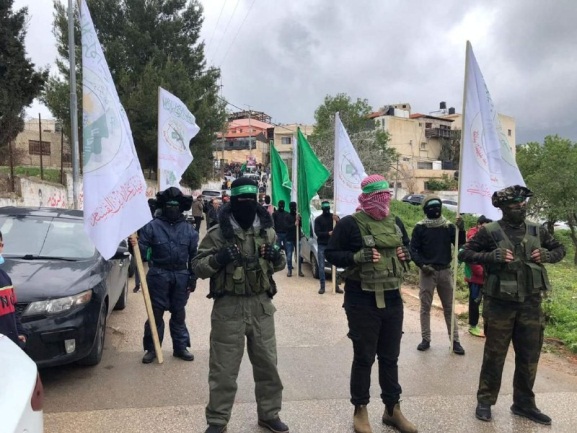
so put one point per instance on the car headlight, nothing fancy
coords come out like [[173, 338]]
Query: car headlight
[[59, 305]]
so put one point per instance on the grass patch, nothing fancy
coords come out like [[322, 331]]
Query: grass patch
[[50, 174], [560, 307]]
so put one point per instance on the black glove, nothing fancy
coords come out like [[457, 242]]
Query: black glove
[[428, 270], [407, 254], [191, 286], [545, 255], [227, 255], [270, 252], [498, 255], [364, 255]]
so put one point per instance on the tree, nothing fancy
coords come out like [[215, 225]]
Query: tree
[[370, 142], [549, 171], [149, 44], [20, 82]]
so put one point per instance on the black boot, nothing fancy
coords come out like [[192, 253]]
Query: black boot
[[457, 348], [339, 290], [424, 345], [289, 273], [183, 354], [483, 412], [148, 357], [274, 425], [533, 414]]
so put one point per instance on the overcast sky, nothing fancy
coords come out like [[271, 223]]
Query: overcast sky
[[283, 57]]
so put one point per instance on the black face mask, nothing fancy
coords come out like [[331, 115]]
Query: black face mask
[[171, 213], [244, 212], [433, 212], [326, 210], [281, 208], [515, 216]]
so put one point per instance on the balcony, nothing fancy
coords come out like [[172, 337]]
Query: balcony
[[440, 133]]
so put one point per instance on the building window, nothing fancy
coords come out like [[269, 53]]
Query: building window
[[420, 124], [425, 165], [286, 140], [424, 146], [428, 125], [240, 130], [34, 147], [509, 132]]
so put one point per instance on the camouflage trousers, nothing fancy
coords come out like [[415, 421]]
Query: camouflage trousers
[[522, 323]]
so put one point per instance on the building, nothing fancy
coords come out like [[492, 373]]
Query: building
[[427, 144], [42, 142], [284, 136], [246, 138]]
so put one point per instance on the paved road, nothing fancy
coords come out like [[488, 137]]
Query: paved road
[[123, 395]]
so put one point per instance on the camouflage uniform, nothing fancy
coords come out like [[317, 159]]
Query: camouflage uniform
[[513, 293]]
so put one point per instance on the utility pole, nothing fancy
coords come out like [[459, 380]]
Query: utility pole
[[397, 178], [41, 147], [61, 153]]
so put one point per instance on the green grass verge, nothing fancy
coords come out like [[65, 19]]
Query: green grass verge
[[561, 305], [50, 174]]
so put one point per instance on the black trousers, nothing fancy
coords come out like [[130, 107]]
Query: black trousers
[[375, 332]]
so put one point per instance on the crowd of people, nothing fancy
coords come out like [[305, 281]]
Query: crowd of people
[[246, 243]]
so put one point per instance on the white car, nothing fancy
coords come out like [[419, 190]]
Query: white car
[[21, 393]]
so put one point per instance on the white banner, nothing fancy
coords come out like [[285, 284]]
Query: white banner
[[349, 172], [115, 203], [488, 163], [176, 127]]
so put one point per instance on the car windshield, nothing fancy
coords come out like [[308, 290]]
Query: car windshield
[[36, 237]]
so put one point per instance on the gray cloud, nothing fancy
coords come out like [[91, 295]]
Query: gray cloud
[[289, 55]]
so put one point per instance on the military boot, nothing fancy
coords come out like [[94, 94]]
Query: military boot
[[395, 418], [148, 357], [361, 420]]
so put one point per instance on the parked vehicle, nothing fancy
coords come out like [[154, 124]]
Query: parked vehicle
[[450, 204], [21, 393], [65, 289], [209, 194], [414, 199]]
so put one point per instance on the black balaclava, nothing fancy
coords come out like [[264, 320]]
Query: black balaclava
[[281, 205], [433, 207], [326, 208], [293, 207], [514, 216], [173, 203], [243, 211], [267, 199]]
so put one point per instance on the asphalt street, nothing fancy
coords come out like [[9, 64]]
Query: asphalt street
[[123, 395]]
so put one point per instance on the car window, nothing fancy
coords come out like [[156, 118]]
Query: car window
[[208, 193], [45, 237]]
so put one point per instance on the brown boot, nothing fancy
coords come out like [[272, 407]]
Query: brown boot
[[361, 420], [399, 421]]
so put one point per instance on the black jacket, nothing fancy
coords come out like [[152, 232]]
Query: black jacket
[[323, 225], [283, 221], [432, 245]]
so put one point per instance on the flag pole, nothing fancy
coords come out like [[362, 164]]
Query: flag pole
[[73, 104], [157, 146], [296, 196], [456, 247], [335, 195], [147, 302]]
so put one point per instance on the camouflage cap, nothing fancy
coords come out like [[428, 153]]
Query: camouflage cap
[[509, 194]]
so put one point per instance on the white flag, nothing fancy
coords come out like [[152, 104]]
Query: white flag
[[294, 170], [349, 172], [487, 161], [176, 127], [115, 203]]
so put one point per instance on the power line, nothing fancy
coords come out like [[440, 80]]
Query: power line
[[237, 32], [225, 29], [217, 21]]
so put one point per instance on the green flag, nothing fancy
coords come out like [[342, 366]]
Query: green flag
[[312, 174], [243, 168], [280, 181]]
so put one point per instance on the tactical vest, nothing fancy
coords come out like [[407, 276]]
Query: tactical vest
[[387, 273], [516, 280], [253, 275]]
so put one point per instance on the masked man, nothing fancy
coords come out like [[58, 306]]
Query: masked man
[[512, 251], [431, 250], [240, 255], [324, 224], [169, 243], [373, 247]]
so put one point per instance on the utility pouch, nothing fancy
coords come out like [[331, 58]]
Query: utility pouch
[[369, 241], [239, 280]]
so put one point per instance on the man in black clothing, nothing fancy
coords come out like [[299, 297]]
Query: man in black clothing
[[373, 247], [323, 230], [431, 251], [284, 223]]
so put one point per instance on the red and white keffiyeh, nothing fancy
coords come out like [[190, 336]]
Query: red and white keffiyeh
[[376, 197]]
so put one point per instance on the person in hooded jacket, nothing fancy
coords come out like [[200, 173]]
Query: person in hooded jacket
[[240, 255], [169, 243], [282, 221], [324, 224], [431, 250]]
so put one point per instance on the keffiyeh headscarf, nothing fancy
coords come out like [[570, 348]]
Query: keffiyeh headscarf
[[376, 197]]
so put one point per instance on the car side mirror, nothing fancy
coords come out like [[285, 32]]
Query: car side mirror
[[122, 250]]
